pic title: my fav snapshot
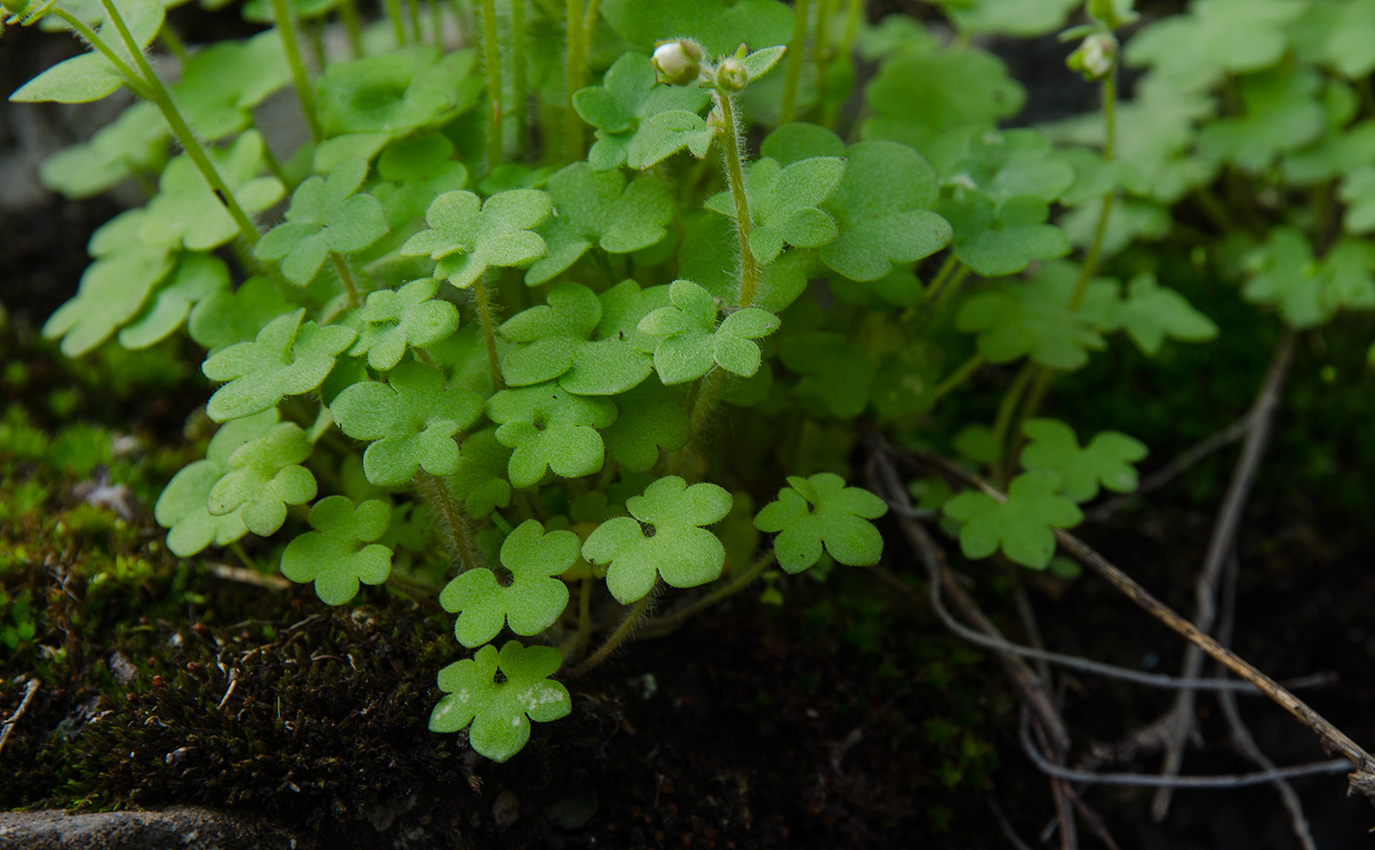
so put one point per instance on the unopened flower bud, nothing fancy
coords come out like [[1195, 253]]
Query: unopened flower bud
[[678, 62], [731, 75], [1096, 57]]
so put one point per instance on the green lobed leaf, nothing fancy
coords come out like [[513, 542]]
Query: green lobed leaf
[[550, 429], [719, 25], [678, 549], [325, 216], [288, 357], [467, 235], [621, 105], [264, 476], [339, 554], [689, 342], [1021, 526], [500, 712], [836, 373], [395, 320], [821, 510], [783, 202], [416, 170], [396, 92], [533, 599], [410, 422], [481, 477], [1106, 460], [196, 278], [91, 76], [220, 84], [135, 143]]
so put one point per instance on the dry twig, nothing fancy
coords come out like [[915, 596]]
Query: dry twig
[[29, 690]]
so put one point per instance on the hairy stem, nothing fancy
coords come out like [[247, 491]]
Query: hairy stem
[[484, 311], [169, 38], [450, 516], [491, 58], [663, 625], [577, 73], [575, 644], [345, 277], [132, 78], [735, 175], [1104, 214], [520, 106], [589, 18], [787, 108], [286, 25], [623, 631], [158, 93]]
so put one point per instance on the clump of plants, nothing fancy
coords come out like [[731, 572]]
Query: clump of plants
[[584, 322]]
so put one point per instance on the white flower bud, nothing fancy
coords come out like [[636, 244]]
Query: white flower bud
[[1096, 57], [678, 62]]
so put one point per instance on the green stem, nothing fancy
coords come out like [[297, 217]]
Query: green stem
[[413, 8], [738, 584], [520, 99], [132, 79], [273, 164], [158, 93], [437, 22], [577, 71], [346, 277], [589, 19], [1104, 214], [735, 175], [1029, 409], [286, 26], [852, 16], [449, 514], [617, 637], [348, 16], [491, 57], [484, 311], [573, 647], [1009, 403], [237, 548], [398, 24], [788, 106], [957, 377], [822, 54]]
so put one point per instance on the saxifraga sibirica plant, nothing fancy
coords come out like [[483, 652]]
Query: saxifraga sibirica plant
[[543, 286]]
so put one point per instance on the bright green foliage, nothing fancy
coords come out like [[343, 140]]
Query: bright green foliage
[[1021, 526], [468, 235], [626, 99], [1215, 37], [501, 711], [836, 373], [417, 169], [720, 25], [651, 421], [1107, 459], [664, 134], [411, 422], [550, 428], [821, 510], [676, 548], [710, 256], [288, 357], [557, 341], [1005, 165], [183, 507], [783, 204], [90, 76], [1308, 291], [1150, 312], [533, 599], [883, 205], [1009, 17], [112, 291], [229, 317], [689, 343], [598, 209], [481, 477], [325, 215], [263, 477], [1027, 319], [136, 143], [1358, 191], [221, 84], [186, 209], [1342, 35], [339, 553], [1282, 114], [920, 94], [394, 93], [394, 320], [799, 140], [1001, 238], [197, 277]]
